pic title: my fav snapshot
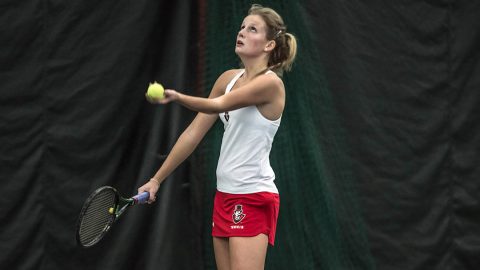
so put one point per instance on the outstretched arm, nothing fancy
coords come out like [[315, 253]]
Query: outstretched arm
[[261, 90]]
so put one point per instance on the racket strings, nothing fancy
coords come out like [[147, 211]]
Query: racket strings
[[97, 218]]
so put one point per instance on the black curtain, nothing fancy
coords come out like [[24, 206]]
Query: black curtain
[[406, 78], [74, 118]]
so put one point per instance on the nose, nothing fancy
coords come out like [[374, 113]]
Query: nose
[[240, 33]]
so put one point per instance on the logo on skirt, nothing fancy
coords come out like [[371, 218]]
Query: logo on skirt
[[238, 214]]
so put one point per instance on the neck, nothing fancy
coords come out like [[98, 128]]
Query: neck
[[253, 67]]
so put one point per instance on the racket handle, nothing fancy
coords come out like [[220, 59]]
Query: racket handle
[[141, 198]]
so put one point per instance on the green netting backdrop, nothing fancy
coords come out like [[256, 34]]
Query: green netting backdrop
[[320, 226]]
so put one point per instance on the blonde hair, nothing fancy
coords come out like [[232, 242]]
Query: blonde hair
[[283, 55]]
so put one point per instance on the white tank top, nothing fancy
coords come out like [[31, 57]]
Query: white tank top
[[244, 164]]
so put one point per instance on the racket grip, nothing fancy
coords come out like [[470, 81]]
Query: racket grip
[[141, 198]]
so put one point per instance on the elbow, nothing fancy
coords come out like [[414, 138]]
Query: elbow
[[191, 138], [216, 107]]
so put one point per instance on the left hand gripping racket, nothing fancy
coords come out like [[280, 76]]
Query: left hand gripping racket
[[101, 209]]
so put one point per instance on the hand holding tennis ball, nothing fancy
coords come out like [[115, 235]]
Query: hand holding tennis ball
[[157, 94], [155, 91]]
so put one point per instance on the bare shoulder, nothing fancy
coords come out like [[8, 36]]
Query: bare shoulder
[[275, 78], [227, 76], [222, 82], [270, 80]]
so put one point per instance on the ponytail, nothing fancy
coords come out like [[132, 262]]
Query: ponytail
[[284, 53]]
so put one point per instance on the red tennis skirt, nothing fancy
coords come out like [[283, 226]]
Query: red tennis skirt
[[245, 215]]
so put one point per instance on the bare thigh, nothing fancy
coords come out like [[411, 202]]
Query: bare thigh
[[222, 256], [248, 253]]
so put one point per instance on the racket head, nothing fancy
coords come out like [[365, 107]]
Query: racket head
[[96, 218]]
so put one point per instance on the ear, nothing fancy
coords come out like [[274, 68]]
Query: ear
[[270, 46]]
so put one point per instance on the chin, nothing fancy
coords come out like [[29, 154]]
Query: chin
[[241, 51], [238, 53]]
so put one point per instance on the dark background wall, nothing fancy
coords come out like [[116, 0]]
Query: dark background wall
[[376, 158]]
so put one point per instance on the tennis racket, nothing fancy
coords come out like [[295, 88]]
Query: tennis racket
[[101, 209]]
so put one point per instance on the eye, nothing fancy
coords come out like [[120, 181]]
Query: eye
[[253, 29]]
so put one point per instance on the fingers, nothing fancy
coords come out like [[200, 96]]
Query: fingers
[[141, 189], [153, 100], [152, 199], [149, 99], [150, 188]]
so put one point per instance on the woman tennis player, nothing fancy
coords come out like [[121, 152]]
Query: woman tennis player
[[250, 103]]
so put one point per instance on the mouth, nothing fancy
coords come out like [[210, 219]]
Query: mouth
[[239, 42]]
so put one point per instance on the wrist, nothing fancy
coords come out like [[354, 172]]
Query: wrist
[[155, 180], [179, 97]]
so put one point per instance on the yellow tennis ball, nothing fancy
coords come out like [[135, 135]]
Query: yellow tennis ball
[[110, 210], [156, 90]]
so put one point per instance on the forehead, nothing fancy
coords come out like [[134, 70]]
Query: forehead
[[255, 20]]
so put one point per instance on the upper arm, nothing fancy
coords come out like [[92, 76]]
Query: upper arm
[[262, 90]]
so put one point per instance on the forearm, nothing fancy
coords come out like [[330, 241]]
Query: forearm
[[180, 151]]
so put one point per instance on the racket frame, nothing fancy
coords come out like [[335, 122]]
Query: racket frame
[[117, 211]]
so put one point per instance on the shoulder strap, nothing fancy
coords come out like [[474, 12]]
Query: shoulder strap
[[233, 81]]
